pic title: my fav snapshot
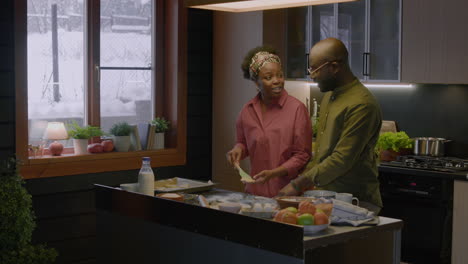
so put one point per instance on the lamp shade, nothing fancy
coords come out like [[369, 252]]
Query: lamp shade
[[56, 131]]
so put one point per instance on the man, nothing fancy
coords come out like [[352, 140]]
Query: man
[[350, 121]]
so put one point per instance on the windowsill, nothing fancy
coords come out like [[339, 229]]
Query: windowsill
[[69, 164]]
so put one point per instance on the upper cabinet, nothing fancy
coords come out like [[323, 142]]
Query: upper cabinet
[[435, 42], [432, 34], [369, 29]]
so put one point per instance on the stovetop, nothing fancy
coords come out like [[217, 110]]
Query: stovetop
[[443, 164]]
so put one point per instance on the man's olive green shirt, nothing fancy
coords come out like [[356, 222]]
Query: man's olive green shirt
[[348, 129]]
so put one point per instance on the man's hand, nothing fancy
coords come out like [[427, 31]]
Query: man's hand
[[234, 155], [288, 190]]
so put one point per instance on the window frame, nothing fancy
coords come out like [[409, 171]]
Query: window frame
[[169, 75]]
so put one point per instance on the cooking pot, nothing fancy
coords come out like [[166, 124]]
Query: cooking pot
[[429, 146]]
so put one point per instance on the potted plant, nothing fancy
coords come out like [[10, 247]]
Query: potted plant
[[161, 125], [17, 220], [121, 132], [81, 136], [392, 144]]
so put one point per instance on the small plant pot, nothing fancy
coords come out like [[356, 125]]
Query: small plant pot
[[80, 146], [158, 141], [122, 143]]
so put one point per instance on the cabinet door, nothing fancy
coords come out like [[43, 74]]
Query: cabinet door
[[352, 31], [434, 42], [296, 43], [384, 40], [322, 23]]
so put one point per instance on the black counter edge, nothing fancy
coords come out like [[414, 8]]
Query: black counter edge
[[254, 232]]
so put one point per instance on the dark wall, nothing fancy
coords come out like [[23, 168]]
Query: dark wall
[[430, 111], [7, 89], [64, 206], [427, 110]]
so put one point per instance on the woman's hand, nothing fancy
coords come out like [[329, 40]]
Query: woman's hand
[[264, 176], [234, 156], [267, 175]]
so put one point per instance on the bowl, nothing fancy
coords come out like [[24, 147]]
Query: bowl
[[230, 207], [320, 194], [313, 229], [171, 196], [291, 201]]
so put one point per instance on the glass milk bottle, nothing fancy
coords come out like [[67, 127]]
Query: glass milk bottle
[[146, 178]]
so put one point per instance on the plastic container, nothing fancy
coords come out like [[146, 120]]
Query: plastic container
[[146, 178]]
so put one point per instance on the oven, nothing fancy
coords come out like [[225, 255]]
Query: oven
[[425, 206]]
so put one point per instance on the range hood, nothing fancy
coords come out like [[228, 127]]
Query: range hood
[[255, 5]]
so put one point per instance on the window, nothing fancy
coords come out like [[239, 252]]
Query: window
[[94, 62]]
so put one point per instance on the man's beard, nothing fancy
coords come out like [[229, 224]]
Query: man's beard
[[327, 85]]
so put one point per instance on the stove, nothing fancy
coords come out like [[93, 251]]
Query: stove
[[425, 204], [443, 164]]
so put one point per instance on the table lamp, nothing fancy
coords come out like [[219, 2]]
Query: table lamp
[[56, 131]]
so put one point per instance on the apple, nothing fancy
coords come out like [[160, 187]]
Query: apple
[[306, 207], [305, 219], [292, 209], [326, 208], [107, 145], [286, 216], [95, 148], [321, 218]]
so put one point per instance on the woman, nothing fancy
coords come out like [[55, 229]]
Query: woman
[[273, 128]]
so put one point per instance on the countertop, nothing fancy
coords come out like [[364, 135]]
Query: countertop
[[235, 226]]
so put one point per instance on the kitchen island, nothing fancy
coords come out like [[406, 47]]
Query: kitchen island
[[135, 228]]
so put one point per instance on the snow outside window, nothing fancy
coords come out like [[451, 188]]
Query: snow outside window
[[56, 63], [126, 84]]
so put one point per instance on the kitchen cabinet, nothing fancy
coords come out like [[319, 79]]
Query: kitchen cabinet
[[434, 41], [369, 29]]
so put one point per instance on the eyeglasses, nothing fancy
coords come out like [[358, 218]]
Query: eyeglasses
[[310, 71]]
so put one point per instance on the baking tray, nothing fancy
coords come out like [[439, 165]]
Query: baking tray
[[184, 185]]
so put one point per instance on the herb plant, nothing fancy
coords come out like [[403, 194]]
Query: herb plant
[[121, 129], [394, 141], [78, 132], [161, 124]]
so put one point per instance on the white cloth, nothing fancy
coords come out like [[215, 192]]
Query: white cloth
[[344, 213]]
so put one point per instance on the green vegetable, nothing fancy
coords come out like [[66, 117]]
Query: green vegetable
[[394, 141], [78, 132], [121, 129], [161, 124]]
